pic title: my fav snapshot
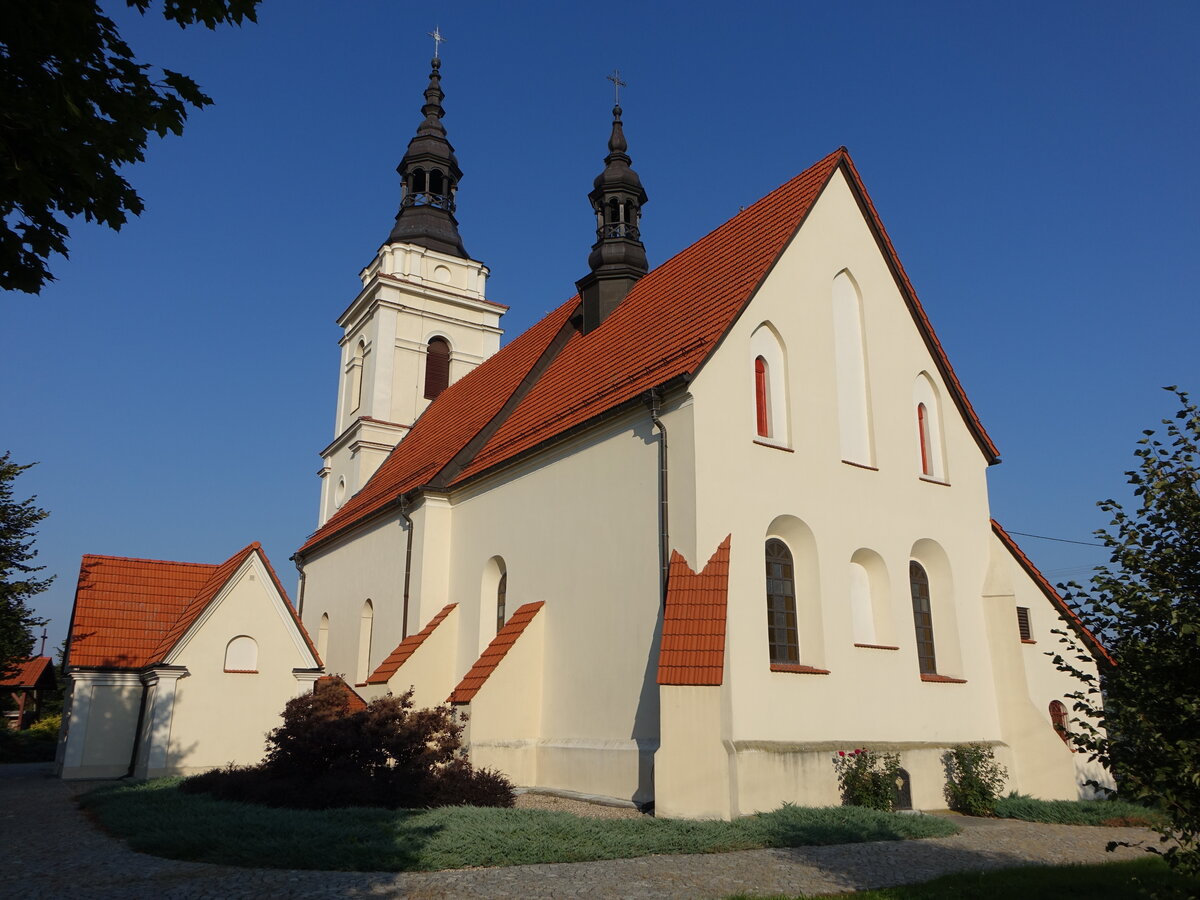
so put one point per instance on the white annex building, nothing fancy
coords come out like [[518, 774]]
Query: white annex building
[[694, 531]]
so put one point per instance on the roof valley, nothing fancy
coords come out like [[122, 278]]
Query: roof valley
[[464, 457]]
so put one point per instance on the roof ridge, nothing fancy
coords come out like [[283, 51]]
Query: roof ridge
[[465, 456], [139, 559], [201, 600]]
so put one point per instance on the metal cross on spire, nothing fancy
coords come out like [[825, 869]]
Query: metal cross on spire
[[615, 78], [438, 40]]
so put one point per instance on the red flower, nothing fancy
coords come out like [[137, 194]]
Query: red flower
[[841, 753]]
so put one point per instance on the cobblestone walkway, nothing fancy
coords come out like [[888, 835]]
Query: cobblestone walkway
[[52, 851]]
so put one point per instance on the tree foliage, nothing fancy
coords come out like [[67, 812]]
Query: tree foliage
[[1141, 716], [18, 520], [77, 107]]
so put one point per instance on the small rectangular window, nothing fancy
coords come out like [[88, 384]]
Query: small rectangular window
[[1023, 623]]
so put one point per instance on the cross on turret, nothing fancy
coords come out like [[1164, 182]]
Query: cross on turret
[[438, 40], [615, 78]]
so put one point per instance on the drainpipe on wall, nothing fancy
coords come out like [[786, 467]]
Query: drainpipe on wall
[[407, 563], [295, 558], [137, 733], [654, 402]]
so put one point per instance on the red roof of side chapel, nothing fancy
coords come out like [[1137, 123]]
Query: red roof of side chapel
[[537, 388], [130, 613]]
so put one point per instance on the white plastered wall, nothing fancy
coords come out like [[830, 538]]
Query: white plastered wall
[[218, 717], [1040, 762], [368, 565], [430, 670], [505, 716], [785, 726], [578, 529]]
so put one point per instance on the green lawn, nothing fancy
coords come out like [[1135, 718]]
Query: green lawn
[[1110, 881], [156, 818], [1076, 812]]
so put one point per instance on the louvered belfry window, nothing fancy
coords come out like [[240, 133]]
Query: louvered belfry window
[[437, 367], [782, 633], [922, 618], [1023, 623]]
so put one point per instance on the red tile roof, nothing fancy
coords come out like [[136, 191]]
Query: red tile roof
[[495, 652], [1054, 596], [693, 635], [407, 648], [30, 672], [666, 327], [130, 613], [354, 702]]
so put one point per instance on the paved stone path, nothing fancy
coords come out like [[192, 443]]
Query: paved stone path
[[50, 850]]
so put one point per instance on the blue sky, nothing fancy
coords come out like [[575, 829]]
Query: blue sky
[[1035, 165]]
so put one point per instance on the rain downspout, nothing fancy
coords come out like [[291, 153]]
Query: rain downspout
[[407, 563], [654, 401]]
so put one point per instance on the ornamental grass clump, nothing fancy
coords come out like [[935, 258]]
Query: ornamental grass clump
[[867, 778], [973, 779]]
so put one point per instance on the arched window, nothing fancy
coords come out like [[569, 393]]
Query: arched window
[[929, 428], [862, 607], [241, 654], [366, 624], [323, 637], [922, 618], [501, 599], [782, 634], [435, 182], [356, 375], [437, 367], [923, 438], [1059, 719], [854, 415], [418, 181], [770, 387], [762, 403]]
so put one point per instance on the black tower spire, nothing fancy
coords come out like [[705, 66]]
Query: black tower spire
[[618, 258], [429, 176]]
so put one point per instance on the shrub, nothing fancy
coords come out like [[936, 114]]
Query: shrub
[[867, 778], [973, 779], [388, 754]]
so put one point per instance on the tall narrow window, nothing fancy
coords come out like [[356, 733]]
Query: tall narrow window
[[356, 376], [927, 418], [850, 360], [762, 409], [501, 599], [366, 625], [323, 637], [923, 437], [922, 618], [782, 634], [437, 367], [1058, 718]]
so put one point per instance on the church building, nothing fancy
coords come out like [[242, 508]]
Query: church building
[[692, 533]]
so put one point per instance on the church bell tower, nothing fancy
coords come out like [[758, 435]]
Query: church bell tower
[[421, 320], [618, 258]]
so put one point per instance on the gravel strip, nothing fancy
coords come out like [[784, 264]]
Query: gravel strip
[[52, 851]]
